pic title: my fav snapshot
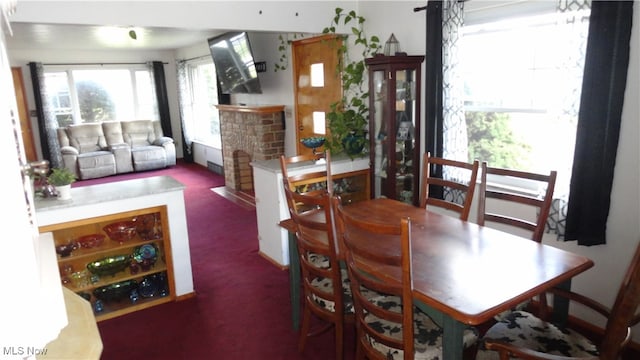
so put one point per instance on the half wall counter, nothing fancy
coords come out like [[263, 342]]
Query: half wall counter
[[271, 204]]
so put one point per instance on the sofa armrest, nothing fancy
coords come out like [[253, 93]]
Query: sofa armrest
[[162, 140], [122, 153], [69, 150], [169, 148]]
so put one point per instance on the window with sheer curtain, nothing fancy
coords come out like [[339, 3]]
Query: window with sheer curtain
[[198, 99], [512, 78], [522, 76], [583, 216]]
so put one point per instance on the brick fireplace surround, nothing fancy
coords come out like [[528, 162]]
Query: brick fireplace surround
[[249, 133]]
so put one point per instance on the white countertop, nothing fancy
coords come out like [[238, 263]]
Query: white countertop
[[273, 165], [94, 194]]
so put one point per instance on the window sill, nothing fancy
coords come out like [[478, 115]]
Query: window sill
[[208, 144]]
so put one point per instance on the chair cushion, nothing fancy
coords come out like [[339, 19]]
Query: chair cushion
[[524, 329], [503, 315], [326, 285], [427, 334]]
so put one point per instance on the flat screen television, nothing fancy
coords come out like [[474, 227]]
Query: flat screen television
[[235, 67]]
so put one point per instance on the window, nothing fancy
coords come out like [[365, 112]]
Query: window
[[522, 80], [90, 95], [200, 106]]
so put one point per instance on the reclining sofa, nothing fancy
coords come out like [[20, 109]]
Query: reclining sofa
[[96, 150]]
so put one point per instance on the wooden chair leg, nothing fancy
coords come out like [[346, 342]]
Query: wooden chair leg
[[304, 330], [359, 351], [339, 332]]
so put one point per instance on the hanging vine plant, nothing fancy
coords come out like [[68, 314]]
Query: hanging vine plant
[[348, 118], [284, 41]]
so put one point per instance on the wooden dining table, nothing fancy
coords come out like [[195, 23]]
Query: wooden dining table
[[464, 274]]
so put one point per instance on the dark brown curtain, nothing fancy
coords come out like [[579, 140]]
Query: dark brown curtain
[[603, 86], [161, 96]]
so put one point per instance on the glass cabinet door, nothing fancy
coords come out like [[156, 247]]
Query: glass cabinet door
[[394, 126], [380, 133], [405, 144]]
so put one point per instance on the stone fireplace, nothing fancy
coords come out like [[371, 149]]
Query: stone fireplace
[[249, 133]]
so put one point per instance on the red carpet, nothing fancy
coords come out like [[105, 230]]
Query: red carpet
[[242, 308]]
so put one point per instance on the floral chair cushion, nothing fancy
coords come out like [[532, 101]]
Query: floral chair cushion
[[524, 329], [326, 285], [427, 335]]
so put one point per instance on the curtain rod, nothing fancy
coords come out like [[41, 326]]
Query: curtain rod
[[197, 57], [123, 63]]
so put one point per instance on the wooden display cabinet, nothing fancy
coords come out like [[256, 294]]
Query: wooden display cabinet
[[155, 282], [352, 186], [394, 126]]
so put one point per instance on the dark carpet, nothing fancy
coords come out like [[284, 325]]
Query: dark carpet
[[242, 308]]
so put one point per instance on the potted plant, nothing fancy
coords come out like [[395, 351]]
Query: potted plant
[[348, 118], [61, 179]]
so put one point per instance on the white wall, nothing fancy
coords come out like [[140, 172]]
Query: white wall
[[383, 18]]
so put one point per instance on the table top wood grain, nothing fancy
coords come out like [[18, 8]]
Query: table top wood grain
[[466, 271]]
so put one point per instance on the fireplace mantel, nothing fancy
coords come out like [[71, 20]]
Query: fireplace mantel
[[258, 109]]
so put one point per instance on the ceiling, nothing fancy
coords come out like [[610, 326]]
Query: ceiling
[[91, 37]]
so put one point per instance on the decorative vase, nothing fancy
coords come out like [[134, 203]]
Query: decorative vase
[[64, 192]]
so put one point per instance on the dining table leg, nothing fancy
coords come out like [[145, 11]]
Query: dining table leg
[[561, 305], [452, 332], [452, 339], [294, 281]]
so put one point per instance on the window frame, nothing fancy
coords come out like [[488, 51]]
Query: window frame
[[512, 14], [69, 69], [214, 140]]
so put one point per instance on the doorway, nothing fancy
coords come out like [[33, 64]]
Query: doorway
[[317, 85]]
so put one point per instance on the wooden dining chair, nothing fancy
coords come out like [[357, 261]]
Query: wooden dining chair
[[538, 202], [326, 290], [532, 206], [388, 325], [457, 190], [526, 336], [307, 182]]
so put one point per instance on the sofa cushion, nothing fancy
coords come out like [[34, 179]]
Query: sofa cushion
[[86, 137], [112, 132], [138, 132], [96, 164], [148, 157]]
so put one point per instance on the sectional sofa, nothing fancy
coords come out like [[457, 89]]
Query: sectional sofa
[[94, 150]]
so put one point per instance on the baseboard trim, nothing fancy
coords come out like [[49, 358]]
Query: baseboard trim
[[266, 257], [186, 296]]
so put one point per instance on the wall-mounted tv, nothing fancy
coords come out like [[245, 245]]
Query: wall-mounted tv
[[235, 67]]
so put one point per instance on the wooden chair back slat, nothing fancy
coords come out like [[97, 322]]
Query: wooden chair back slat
[[466, 188], [541, 203]]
